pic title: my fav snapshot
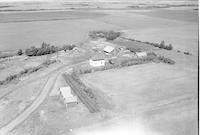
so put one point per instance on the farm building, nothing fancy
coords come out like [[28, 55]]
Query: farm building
[[67, 96], [97, 61], [141, 54], [108, 49]]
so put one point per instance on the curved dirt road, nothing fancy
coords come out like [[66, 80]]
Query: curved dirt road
[[10, 126], [44, 93]]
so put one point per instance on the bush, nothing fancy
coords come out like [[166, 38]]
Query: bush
[[9, 79], [68, 47], [187, 53], [20, 74], [26, 71], [166, 60], [31, 51], [111, 35], [19, 52], [118, 63], [108, 35], [85, 94], [161, 45], [169, 47], [43, 50]]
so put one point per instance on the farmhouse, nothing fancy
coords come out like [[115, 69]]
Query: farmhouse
[[67, 96], [141, 54], [97, 61]]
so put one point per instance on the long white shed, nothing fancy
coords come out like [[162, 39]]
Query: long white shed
[[67, 95], [141, 54]]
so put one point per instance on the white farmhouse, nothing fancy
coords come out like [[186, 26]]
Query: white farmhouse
[[141, 54], [97, 61], [67, 96]]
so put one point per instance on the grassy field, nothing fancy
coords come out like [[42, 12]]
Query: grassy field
[[162, 97]]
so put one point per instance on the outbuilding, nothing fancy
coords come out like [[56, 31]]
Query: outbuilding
[[141, 54], [67, 95], [108, 49]]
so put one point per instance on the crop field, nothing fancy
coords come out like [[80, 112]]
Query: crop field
[[153, 26], [32, 29], [148, 25], [173, 14]]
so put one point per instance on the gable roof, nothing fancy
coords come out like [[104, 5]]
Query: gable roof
[[98, 57]]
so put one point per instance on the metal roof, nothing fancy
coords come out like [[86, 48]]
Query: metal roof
[[108, 49], [98, 57], [66, 92], [67, 95]]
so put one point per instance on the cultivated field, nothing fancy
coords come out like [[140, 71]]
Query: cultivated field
[[146, 25]]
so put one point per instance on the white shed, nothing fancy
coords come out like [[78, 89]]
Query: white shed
[[108, 49], [67, 95], [141, 54]]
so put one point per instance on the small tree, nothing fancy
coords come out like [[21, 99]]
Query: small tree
[[170, 47], [20, 52], [68, 47], [162, 44], [31, 51]]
